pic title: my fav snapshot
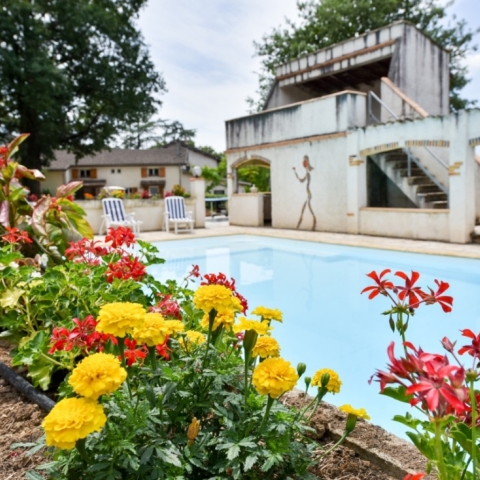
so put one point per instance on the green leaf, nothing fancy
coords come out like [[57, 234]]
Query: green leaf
[[424, 445], [397, 393], [233, 452], [31, 475], [250, 462], [147, 454]]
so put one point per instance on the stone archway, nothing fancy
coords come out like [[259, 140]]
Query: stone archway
[[256, 201]]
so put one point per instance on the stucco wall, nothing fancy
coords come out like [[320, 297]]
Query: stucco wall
[[333, 113], [246, 209], [420, 68], [52, 181], [405, 223]]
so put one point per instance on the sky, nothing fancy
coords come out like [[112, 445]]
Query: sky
[[204, 49]]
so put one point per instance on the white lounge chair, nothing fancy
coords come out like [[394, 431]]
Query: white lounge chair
[[115, 216], [175, 213]]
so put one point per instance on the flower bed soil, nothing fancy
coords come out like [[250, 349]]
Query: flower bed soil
[[20, 421], [370, 452]]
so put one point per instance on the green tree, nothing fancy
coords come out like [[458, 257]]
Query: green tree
[[325, 22], [174, 131], [73, 74], [256, 175], [215, 176]]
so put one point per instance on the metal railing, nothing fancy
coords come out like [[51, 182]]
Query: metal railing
[[410, 158]]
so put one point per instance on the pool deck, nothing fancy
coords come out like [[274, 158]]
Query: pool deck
[[221, 228]]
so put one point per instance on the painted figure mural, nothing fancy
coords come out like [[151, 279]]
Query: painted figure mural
[[308, 169]]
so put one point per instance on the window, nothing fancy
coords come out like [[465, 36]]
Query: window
[[131, 190], [153, 172], [119, 170], [112, 170], [85, 173], [153, 190]]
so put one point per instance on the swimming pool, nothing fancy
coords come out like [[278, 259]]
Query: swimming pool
[[327, 323]]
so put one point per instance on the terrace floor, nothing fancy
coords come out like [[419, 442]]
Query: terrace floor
[[219, 228]]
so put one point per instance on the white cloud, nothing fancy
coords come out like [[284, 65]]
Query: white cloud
[[205, 51]]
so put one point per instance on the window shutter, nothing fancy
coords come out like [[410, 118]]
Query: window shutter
[[74, 173], [93, 173], [144, 172], [161, 172]]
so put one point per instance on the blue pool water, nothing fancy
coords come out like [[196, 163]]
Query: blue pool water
[[327, 323]]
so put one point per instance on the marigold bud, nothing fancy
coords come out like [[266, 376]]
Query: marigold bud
[[308, 381], [193, 430], [325, 379], [301, 368]]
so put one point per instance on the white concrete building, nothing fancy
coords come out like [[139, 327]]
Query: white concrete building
[[156, 170], [359, 139]]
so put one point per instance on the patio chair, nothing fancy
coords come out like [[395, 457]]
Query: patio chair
[[115, 216], [175, 213]]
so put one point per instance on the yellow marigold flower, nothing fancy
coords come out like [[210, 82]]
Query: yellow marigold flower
[[120, 318], [266, 347], [97, 375], [268, 313], [274, 376], [192, 337], [360, 412], [262, 328], [218, 297], [72, 419], [226, 318], [333, 384], [152, 331], [173, 327]]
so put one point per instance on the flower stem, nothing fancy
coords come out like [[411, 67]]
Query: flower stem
[[439, 449], [342, 439], [121, 350], [152, 355], [473, 401], [270, 401], [211, 319], [80, 445]]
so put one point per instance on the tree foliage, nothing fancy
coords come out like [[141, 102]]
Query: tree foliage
[[73, 73], [326, 22]]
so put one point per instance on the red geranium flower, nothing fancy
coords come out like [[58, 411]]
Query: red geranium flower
[[474, 348], [120, 236], [414, 476], [167, 307], [381, 285], [132, 353], [162, 349], [445, 301], [14, 235], [414, 294], [125, 269]]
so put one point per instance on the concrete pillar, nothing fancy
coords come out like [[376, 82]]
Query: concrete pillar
[[356, 184], [197, 190], [461, 173]]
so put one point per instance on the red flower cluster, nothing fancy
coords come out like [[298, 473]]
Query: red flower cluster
[[167, 307], [433, 383], [92, 253], [414, 476], [87, 251], [120, 236], [408, 293], [82, 336], [221, 279], [125, 269], [132, 353], [14, 235]]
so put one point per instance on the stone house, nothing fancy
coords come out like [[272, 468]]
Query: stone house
[[156, 170], [359, 139]]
